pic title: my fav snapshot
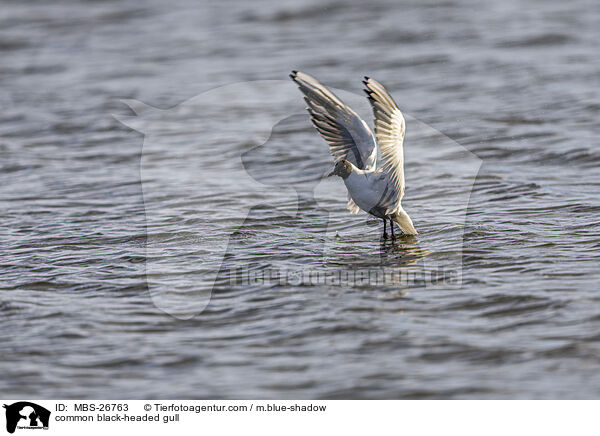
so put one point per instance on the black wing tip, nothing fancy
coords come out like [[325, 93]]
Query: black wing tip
[[294, 74], [366, 83], [368, 90]]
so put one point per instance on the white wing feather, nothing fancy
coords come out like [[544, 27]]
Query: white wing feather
[[389, 130]]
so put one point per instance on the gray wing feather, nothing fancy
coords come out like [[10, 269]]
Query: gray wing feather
[[347, 134], [351, 206]]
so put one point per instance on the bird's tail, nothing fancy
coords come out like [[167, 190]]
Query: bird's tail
[[404, 222]]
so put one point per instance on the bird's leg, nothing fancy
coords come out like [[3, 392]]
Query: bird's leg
[[392, 228], [384, 227]]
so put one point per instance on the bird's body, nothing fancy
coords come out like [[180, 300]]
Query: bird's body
[[363, 186], [372, 166]]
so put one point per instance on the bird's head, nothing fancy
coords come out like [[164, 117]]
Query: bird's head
[[342, 168]]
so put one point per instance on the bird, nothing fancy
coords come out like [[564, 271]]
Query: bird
[[371, 165]]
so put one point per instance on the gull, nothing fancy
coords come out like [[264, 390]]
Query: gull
[[372, 166]]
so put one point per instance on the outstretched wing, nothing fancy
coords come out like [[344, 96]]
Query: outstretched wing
[[389, 130], [347, 134]]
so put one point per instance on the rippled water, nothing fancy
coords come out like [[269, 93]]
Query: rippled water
[[98, 220]]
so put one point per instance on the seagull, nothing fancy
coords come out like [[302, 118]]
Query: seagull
[[372, 166]]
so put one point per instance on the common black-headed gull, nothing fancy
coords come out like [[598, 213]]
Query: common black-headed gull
[[372, 166]]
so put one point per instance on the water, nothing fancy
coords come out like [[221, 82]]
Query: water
[[516, 86]]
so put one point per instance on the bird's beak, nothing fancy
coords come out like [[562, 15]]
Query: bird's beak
[[332, 173]]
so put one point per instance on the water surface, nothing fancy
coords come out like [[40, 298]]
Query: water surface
[[516, 86]]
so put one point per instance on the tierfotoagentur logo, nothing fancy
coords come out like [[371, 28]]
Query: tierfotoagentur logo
[[218, 168], [25, 415]]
